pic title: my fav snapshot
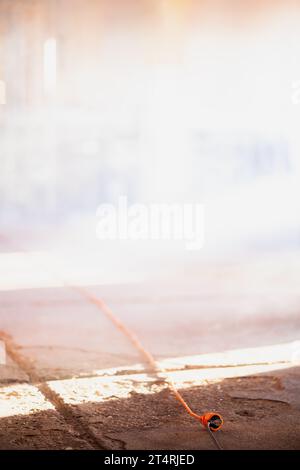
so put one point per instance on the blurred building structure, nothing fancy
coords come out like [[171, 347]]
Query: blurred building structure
[[165, 100]]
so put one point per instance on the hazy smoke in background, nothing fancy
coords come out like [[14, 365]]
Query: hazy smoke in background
[[161, 101]]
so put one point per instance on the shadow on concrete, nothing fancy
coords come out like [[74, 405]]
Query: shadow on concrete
[[260, 412]]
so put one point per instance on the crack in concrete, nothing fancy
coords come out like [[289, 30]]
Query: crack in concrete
[[247, 398], [64, 410], [136, 369]]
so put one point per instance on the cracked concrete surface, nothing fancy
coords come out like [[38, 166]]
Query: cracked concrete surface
[[73, 381]]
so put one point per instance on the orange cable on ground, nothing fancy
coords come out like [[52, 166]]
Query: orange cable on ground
[[211, 421]]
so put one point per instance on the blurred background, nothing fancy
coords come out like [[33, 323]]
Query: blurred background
[[159, 100]]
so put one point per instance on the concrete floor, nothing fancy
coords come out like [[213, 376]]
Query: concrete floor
[[227, 334]]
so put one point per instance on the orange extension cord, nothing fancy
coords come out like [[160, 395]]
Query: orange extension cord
[[211, 421]]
